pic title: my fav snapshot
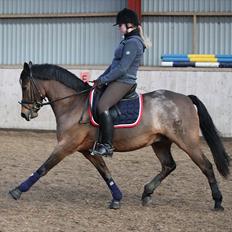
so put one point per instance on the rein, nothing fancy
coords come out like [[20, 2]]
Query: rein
[[60, 99], [38, 105]]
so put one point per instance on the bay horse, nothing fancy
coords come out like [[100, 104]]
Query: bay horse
[[168, 117]]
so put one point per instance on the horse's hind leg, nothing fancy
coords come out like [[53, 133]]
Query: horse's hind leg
[[57, 155], [100, 165], [163, 152], [206, 167]]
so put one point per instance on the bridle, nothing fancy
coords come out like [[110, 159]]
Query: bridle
[[36, 94]]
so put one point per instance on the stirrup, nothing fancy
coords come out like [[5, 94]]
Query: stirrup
[[102, 150]]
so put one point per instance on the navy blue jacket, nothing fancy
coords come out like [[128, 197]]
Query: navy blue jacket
[[127, 58]]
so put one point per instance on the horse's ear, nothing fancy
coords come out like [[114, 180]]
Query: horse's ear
[[26, 67], [30, 64]]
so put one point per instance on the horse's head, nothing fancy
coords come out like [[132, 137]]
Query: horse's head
[[32, 96]]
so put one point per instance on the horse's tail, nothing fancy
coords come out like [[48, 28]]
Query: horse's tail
[[211, 135]]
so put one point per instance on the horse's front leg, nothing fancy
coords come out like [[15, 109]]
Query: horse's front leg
[[57, 155], [100, 165]]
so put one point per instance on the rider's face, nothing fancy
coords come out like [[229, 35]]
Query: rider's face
[[122, 28]]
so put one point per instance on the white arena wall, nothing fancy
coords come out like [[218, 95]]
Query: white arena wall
[[214, 88]]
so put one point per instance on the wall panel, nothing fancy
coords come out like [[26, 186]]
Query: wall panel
[[59, 6], [61, 41], [186, 5], [168, 35]]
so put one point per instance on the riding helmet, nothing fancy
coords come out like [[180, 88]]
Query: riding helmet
[[127, 16]]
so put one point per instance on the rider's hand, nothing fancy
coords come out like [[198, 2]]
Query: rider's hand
[[98, 83]]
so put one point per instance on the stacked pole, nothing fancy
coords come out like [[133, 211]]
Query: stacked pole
[[196, 60]]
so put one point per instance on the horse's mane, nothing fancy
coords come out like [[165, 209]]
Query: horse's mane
[[57, 73]]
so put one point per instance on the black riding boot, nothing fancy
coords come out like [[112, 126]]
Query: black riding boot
[[106, 127]]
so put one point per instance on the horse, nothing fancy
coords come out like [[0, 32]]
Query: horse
[[168, 118]]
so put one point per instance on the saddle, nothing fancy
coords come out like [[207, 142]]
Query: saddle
[[125, 114]]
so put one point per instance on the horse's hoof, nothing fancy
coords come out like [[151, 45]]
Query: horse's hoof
[[146, 201], [15, 193], [219, 209], [218, 206], [114, 204]]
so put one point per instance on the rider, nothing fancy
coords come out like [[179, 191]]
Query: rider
[[120, 76]]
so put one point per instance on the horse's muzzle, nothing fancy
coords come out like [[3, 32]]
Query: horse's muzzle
[[28, 115]]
